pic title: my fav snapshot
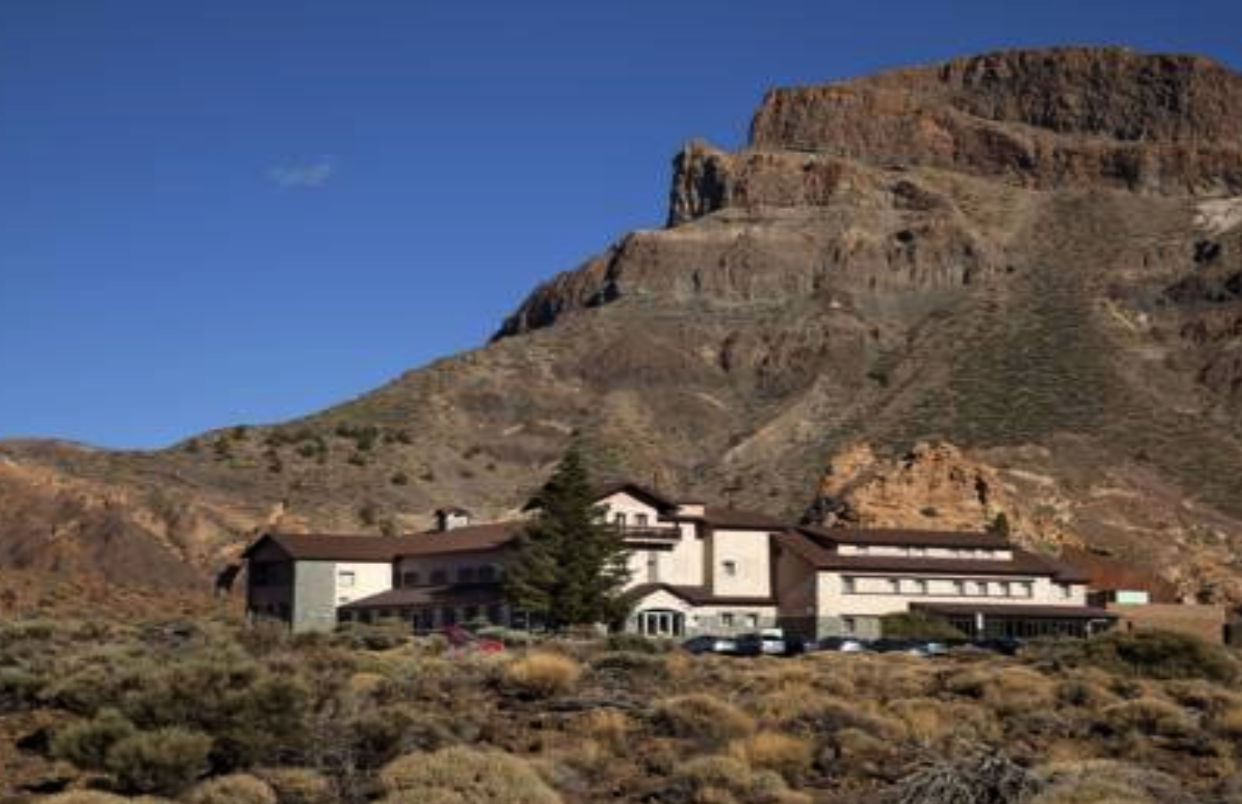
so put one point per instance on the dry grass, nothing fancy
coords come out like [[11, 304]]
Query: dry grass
[[608, 726], [298, 785], [789, 756], [1149, 717], [236, 789], [542, 674], [462, 775], [724, 780], [702, 717]]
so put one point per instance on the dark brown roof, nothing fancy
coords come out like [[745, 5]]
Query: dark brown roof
[[696, 595], [449, 594], [469, 539], [914, 538], [330, 547], [1069, 612], [825, 557]]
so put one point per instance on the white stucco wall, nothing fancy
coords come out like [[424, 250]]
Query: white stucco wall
[[750, 553], [872, 598], [680, 566], [369, 578]]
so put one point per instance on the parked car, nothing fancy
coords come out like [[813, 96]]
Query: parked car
[[842, 645], [770, 642], [710, 644]]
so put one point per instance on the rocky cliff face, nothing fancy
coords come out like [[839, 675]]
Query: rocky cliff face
[[1034, 256]]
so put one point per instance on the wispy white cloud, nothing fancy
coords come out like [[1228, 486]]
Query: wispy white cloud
[[302, 176]]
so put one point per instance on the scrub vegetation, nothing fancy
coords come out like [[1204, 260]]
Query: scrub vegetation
[[218, 712]]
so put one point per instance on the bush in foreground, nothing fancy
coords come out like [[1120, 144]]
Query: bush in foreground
[[724, 780], [462, 775], [541, 675], [162, 761], [704, 717], [236, 789]]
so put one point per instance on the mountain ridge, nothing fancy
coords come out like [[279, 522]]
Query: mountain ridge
[[1035, 256]]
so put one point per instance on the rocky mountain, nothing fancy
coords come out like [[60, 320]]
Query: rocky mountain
[[1029, 259]]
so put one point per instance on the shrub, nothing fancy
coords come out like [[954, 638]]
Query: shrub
[[463, 776], [1146, 654], [770, 750], [702, 716], [916, 625], [634, 643], [542, 674], [1102, 781], [627, 662], [608, 726], [84, 797], [978, 776], [298, 785], [1149, 716], [160, 761], [86, 743], [18, 688], [724, 780], [236, 789]]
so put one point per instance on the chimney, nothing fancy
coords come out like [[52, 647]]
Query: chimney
[[451, 518]]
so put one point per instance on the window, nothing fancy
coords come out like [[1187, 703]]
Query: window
[[1064, 591], [1006, 589], [849, 585], [862, 549], [959, 588], [730, 567], [1026, 589], [752, 620], [726, 619], [918, 552], [346, 577], [980, 588], [653, 566], [894, 586], [919, 586], [487, 574], [640, 520], [409, 579], [849, 626], [618, 519], [465, 575], [439, 576]]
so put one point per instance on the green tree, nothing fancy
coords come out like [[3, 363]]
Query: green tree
[[570, 566]]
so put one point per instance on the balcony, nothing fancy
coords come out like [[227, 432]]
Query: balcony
[[648, 533]]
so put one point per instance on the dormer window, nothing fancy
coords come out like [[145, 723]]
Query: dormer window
[[618, 519], [640, 520], [730, 567]]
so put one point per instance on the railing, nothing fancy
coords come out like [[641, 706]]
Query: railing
[[648, 533]]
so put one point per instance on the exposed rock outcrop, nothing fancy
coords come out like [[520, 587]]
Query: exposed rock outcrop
[[1031, 255]]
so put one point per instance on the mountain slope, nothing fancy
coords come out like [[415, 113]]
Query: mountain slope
[[1034, 255]]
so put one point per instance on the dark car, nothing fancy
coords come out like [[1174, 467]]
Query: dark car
[[710, 644], [761, 645]]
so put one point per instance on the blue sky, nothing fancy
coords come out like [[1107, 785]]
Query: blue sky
[[234, 211]]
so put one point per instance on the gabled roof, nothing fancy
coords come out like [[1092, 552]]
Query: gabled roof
[[638, 491], [469, 539], [902, 537], [824, 556], [330, 547], [696, 595]]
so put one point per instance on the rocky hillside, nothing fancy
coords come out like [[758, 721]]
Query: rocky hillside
[[1034, 256]]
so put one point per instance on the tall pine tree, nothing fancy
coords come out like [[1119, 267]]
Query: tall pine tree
[[570, 565]]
